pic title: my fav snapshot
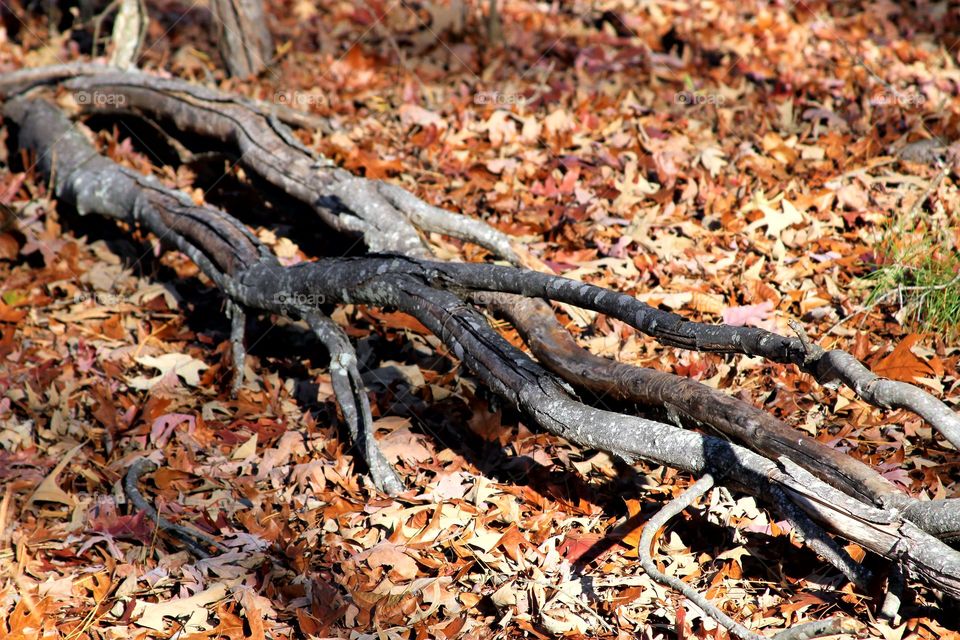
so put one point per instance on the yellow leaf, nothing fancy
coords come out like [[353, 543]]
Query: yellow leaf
[[245, 450]]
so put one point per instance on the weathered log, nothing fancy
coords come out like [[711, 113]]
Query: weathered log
[[352, 204], [434, 293]]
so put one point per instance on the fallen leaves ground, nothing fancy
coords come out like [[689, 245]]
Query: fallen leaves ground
[[730, 161]]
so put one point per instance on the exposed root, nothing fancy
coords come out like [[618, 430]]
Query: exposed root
[[433, 293], [352, 398], [387, 220]]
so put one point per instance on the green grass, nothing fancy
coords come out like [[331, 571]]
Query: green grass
[[919, 272]]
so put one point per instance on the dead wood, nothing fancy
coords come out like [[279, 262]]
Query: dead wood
[[815, 629], [196, 541], [437, 294], [242, 36], [389, 218]]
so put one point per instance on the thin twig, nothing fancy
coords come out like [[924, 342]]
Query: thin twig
[[671, 509], [191, 539], [352, 397], [804, 631]]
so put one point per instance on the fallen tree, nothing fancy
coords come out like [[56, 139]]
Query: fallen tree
[[819, 490]]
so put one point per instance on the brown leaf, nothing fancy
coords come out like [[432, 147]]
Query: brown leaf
[[402, 566], [512, 541], [49, 490]]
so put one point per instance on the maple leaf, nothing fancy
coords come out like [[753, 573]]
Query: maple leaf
[[163, 426], [775, 221], [104, 520], [558, 121], [388, 554]]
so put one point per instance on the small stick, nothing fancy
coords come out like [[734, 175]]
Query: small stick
[[351, 395], [191, 539], [891, 601], [805, 631]]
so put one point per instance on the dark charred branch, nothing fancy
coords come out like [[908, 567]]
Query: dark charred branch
[[668, 328], [197, 542]]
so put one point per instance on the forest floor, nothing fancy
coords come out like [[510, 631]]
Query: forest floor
[[745, 162]]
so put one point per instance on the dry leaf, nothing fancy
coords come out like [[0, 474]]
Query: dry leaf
[[902, 364], [48, 490], [191, 612], [180, 364]]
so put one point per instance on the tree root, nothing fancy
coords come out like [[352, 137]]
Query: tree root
[[388, 219], [433, 293]]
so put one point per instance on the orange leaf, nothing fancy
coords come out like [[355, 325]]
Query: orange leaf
[[633, 527], [512, 540], [903, 364]]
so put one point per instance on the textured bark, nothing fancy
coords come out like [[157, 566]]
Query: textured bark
[[560, 353], [388, 218], [370, 207], [129, 30], [435, 294], [242, 36]]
